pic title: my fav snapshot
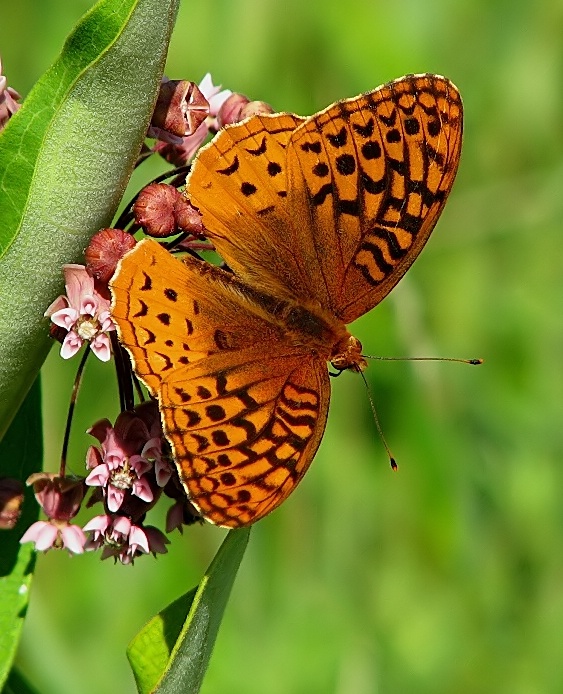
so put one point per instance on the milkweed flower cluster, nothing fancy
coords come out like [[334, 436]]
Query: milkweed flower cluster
[[130, 468], [129, 471]]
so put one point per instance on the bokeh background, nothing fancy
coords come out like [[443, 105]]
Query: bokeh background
[[448, 575]]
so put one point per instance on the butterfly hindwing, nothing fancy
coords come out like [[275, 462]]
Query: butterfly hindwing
[[244, 429], [243, 408]]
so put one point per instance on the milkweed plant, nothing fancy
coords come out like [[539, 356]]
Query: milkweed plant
[[93, 94]]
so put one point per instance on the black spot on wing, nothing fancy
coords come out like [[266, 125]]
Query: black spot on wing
[[231, 169], [364, 130], [259, 150]]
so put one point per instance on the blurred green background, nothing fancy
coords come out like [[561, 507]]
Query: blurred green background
[[447, 576]]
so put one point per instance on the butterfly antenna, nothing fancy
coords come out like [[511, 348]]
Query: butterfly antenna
[[392, 460], [473, 362]]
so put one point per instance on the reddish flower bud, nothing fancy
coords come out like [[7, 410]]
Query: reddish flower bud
[[57, 333], [154, 209], [105, 250], [238, 107], [254, 108], [177, 150], [59, 497], [181, 513], [231, 108], [180, 109], [11, 499], [187, 217]]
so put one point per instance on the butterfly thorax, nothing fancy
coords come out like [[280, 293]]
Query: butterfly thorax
[[313, 327]]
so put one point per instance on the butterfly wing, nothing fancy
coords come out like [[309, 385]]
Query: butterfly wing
[[372, 175], [239, 184], [244, 429], [356, 193], [171, 313], [243, 410]]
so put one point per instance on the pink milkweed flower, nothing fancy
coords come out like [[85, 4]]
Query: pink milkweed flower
[[55, 534], [128, 451], [117, 466], [152, 451], [8, 100], [122, 539], [180, 153], [60, 498], [84, 313]]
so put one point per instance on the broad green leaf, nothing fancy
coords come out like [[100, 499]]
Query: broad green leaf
[[171, 653], [21, 453], [150, 650], [65, 159], [17, 684]]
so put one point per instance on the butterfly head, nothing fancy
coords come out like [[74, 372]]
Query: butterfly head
[[347, 354]]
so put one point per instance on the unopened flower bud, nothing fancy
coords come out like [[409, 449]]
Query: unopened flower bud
[[57, 333], [11, 499], [187, 217], [105, 250], [180, 108], [255, 108], [59, 497], [181, 513], [238, 107], [154, 209], [231, 108]]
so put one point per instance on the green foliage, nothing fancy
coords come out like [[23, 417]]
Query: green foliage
[[171, 653], [21, 452], [17, 684], [65, 159], [149, 652]]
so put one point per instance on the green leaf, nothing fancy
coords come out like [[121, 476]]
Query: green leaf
[[17, 684], [21, 453], [150, 650], [65, 160], [171, 653]]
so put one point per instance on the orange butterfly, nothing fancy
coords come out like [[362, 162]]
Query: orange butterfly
[[318, 218]]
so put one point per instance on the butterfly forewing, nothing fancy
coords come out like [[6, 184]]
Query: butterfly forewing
[[239, 184], [171, 313], [371, 175]]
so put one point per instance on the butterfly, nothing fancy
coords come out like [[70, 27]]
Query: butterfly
[[317, 220]]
